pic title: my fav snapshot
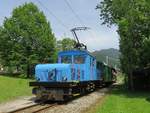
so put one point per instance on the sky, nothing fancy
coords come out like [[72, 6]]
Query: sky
[[62, 19]]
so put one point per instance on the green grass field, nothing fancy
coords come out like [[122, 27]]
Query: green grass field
[[120, 100], [11, 88]]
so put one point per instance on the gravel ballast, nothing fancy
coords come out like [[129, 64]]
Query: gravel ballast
[[80, 104], [77, 105]]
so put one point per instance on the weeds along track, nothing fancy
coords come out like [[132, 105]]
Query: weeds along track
[[36, 108]]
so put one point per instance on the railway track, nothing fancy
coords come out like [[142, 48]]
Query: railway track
[[35, 108]]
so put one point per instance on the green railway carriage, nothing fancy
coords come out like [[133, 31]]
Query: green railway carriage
[[107, 73]]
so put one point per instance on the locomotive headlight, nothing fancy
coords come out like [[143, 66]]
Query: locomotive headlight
[[64, 78]]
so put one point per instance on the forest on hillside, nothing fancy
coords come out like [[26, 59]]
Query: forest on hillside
[[110, 56]]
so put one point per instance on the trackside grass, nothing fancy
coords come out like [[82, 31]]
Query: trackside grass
[[11, 88], [120, 100]]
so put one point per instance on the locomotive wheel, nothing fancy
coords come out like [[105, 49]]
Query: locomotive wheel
[[90, 87]]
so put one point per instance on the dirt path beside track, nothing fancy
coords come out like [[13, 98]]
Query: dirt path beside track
[[16, 104]]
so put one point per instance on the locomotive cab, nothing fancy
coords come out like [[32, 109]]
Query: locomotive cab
[[82, 64]]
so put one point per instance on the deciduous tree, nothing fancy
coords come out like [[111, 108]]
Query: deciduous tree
[[26, 38], [133, 21], [65, 44]]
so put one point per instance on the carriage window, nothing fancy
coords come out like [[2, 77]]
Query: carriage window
[[66, 59], [79, 59]]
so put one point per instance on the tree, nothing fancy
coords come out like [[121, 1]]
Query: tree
[[65, 44], [26, 38], [133, 21]]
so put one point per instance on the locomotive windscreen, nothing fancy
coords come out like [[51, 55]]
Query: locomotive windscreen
[[66, 59], [79, 59]]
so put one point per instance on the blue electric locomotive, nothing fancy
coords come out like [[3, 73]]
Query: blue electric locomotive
[[76, 73]]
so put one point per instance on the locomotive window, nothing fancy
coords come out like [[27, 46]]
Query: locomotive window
[[92, 62], [66, 59], [79, 59]]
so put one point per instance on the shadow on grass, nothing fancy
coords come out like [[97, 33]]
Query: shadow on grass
[[121, 90]]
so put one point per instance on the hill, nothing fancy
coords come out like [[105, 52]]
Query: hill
[[110, 56]]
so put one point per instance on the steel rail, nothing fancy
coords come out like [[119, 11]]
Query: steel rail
[[35, 108]]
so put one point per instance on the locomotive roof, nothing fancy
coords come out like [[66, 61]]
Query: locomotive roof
[[75, 52]]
